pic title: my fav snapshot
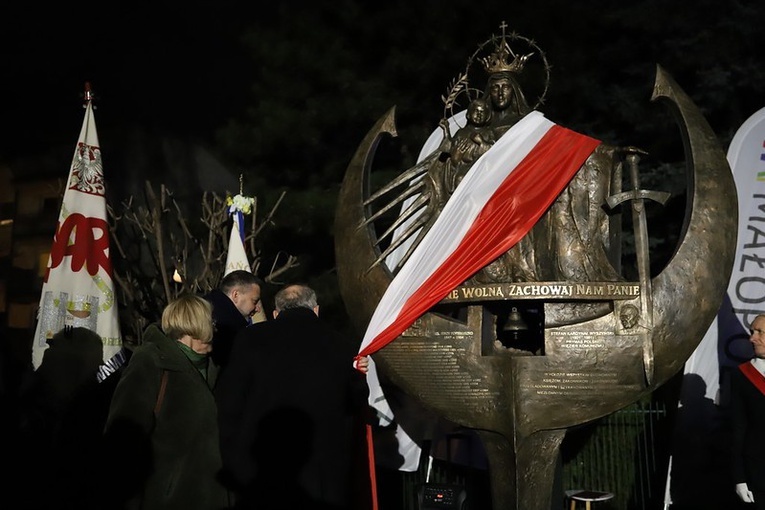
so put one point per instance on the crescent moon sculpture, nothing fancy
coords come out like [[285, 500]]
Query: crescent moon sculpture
[[592, 365]]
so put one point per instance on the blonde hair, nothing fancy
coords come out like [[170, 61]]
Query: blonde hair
[[190, 315]]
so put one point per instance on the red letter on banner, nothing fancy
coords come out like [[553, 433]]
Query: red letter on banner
[[86, 246]]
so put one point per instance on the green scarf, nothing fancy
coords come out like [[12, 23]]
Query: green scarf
[[198, 360]]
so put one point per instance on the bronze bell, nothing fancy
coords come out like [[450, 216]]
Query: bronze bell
[[515, 323]]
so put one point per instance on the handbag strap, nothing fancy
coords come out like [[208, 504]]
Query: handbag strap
[[161, 394]]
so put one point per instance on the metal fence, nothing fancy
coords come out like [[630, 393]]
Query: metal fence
[[625, 453]]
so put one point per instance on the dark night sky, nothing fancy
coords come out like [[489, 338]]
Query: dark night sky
[[149, 63], [180, 66]]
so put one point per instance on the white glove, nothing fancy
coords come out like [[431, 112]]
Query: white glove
[[743, 492]]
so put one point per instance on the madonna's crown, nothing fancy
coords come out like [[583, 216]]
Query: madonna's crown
[[503, 58]]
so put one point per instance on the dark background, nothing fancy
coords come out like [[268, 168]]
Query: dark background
[[192, 94]]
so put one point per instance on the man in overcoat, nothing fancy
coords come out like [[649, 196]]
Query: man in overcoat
[[287, 403], [747, 387], [234, 302]]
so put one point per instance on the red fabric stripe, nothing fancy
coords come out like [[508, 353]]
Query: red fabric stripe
[[508, 215], [372, 469], [754, 376]]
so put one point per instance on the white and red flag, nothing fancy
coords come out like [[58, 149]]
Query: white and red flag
[[497, 202], [502, 196], [78, 289]]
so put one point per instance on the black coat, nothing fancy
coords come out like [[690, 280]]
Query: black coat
[[748, 423], [63, 411], [287, 403], [228, 322]]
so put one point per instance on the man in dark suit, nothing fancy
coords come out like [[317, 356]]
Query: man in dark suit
[[287, 406], [748, 419], [235, 301]]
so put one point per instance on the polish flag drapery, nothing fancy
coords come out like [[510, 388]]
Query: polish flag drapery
[[236, 257], [502, 196], [78, 289]]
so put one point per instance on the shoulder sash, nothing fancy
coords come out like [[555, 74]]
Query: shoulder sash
[[754, 376]]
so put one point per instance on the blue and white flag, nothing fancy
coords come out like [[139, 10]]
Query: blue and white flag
[[236, 258]]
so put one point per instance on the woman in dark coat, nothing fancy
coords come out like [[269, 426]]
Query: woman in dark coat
[[162, 426]]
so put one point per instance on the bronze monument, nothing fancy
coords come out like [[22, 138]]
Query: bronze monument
[[597, 342]]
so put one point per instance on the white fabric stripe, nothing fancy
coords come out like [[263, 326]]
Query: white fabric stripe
[[457, 217], [236, 256], [456, 122], [407, 447]]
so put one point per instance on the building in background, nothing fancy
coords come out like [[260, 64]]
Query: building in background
[[29, 207]]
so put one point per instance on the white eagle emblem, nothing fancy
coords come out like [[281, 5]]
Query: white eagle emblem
[[87, 170]]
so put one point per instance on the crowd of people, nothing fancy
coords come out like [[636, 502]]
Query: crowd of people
[[277, 425], [274, 420]]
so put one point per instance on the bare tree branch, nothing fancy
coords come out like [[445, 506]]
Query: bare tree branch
[[156, 239]]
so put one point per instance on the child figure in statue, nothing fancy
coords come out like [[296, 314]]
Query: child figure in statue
[[468, 144]]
